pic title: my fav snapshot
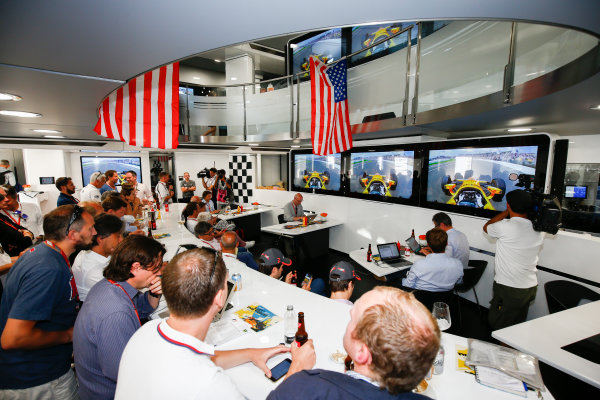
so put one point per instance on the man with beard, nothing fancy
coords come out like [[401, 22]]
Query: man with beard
[[38, 311], [66, 187]]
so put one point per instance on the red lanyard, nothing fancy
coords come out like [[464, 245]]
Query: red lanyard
[[9, 216], [295, 210], [208, 243], [134, 308], [9, 223], [72, 280]]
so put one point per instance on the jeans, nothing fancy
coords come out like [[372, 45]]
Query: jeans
[[63, 388]]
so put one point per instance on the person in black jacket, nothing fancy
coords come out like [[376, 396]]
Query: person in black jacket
[[392, 340], [13, 237]]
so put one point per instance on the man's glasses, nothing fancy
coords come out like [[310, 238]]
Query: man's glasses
[[76, 213]]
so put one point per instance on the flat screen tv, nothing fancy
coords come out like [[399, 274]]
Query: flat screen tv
[[382, 174], [316, 172], [89, 165], [327, 46], [479, 177]]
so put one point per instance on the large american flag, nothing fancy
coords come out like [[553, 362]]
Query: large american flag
[[330, 125], [145, 111]]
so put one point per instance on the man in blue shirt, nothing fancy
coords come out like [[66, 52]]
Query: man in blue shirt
[[67, 188], [458, 245], [437, 272], [112, 177], [112, 313], [38, 310]]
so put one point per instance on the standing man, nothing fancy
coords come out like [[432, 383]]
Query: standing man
[[458, 245], [38, 310], [517, 249], [112, 313], [111, 181], [210, 183], [195, 287], [392, 340], [293, 210], [27, 215], [188, 187], [92, 191], [7, 177], [164, 191], [14, 238], [66, 188], [143, 192]]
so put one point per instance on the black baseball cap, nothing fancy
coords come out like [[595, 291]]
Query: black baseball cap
[[344, 271], [274, 256]]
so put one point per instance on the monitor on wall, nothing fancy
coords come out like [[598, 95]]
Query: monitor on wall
[[313, 172], [89, 165], [382, 175], [326, 45]]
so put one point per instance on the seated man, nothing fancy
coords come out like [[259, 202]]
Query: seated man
[[207, 199], [92, 191], [392, 340], [272, 261], [26, 214], [134, 205], [437, 272], [89, 264], [229, 246], [92, 207], [293, 210], [112, 313], [458, 245], [195, 287], [114, 205], [206, 233], [341, 281]]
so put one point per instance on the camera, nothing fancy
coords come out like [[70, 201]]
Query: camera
[[203, 173], [546, 212]]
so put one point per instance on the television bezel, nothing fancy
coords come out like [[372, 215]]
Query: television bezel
[[294, 153], [139, 177], [289, 60]]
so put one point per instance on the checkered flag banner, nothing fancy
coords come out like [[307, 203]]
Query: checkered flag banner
[[241, 170]]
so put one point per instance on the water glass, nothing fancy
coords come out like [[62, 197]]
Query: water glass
[[441, 312]]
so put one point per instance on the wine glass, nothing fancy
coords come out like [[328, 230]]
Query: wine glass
[[441, 312]]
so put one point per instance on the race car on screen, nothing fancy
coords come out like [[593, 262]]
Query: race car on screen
[[474, 193], [379, 35], [316, 180], [377, 184]]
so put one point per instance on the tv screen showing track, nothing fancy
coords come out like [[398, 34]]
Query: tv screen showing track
[[327, 46], [317, 172], [382, 174], [478, 177], [89, 165]]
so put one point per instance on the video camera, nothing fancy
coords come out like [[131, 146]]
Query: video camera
[[203, 173], [546, 213]]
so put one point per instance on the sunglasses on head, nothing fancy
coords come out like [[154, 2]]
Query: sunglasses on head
[[214, 266], [76, 213]]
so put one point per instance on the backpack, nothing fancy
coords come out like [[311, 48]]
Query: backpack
[[4, 180]]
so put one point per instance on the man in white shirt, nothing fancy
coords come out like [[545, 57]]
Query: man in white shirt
[[7, 175], [517, 250], [205, 232], [164, 191], [89, 264], [194, 284], [458, 245], [143, 193], [28, 215], [92, 191]]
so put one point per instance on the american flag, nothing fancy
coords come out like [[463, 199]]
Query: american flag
[[330, 124], [145, 111]]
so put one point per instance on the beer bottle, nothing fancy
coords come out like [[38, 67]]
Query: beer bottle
[[301, 335], [413, 233], [153, 219], [369, 253], [149, 231]]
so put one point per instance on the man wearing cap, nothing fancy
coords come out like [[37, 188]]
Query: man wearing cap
[[272, 261], [293, 210], [341, 281], [92, 191], [517, 249]]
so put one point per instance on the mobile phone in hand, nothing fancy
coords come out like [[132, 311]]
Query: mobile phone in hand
[[307, 279], [278, 371]]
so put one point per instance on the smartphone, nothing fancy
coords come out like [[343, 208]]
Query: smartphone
[[278, 371], [307, 279]]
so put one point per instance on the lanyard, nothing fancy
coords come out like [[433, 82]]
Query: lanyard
[[10, 216], [134, 308], [75, 292], [10, 223], [208, 243], [295, 210], [177, 343]]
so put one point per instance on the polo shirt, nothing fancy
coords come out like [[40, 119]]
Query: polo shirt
[[232, 263], [517, 250], [210, 205], [213, 244], [39, 287], [105, 324], [290, 211], [435, 273], [107, 188], [161, 363], [143, 193], [162, 191], [88, 269], [64, 199], [458, 246], [90, 193]]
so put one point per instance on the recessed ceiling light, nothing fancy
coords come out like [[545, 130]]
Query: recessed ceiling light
[[233, 78], [22, 114], [46, 130], [54, 136], [595, 107], [519, 130], [253, 144], [295, 146], [10, 97]]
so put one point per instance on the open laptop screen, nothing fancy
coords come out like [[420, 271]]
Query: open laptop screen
[[230, 287], [388, 250]]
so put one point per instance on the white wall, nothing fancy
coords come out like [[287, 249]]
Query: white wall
[[194, 162], [270, 170], [44, 162], [583, 149]]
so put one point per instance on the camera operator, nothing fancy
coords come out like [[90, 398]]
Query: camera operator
[[517, 249], [222, 185], [210, 183]]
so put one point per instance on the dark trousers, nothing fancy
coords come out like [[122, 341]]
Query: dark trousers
[[509, 305]]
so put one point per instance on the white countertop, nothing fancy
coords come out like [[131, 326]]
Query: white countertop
[[248, 210], [280, 230], [379, 269]]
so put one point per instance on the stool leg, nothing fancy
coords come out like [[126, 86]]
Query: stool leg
[[477, 300], [459, 310]]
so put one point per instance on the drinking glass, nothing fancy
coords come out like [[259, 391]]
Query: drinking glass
[[441, 312]]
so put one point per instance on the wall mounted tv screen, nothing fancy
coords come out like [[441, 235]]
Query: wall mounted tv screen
[[327, 46], [478, 177], [382, 174], [317, 172], [89, 165]]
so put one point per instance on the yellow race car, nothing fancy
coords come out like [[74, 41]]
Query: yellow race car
[[474, 193], [316, 180], [380, 34], [377, 184]]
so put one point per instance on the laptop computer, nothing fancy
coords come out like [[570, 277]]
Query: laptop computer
[[226, 306], [414, 246], [311, 217], [390, 255]]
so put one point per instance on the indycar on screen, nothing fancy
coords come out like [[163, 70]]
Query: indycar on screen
[[377, 184], [474, 193], [316, 180], [378, 35]]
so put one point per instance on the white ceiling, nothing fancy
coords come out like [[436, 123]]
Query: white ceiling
[[63, 56]]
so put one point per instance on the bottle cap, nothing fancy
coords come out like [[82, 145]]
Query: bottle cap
[[290, 307]]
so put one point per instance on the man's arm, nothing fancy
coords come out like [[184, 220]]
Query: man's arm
[[22, 334], [231, 358], [495, 219], [287, 213]]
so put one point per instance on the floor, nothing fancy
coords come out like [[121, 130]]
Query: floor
[[474, 318]]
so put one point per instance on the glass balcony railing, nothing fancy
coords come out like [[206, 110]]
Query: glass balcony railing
[[445, 64]]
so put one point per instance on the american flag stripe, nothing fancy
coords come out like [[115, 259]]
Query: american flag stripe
[[145, 111]]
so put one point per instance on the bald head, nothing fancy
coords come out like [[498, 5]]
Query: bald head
[[195, 199], [297, 199], [229, 242]]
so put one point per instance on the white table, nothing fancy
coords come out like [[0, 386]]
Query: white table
[[249, 220], [379, 269], [543, 337], [248, 210], [281, 230]]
